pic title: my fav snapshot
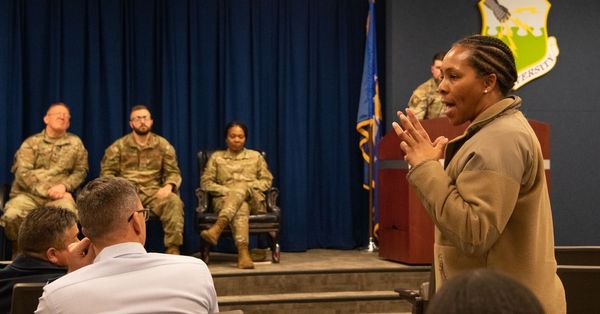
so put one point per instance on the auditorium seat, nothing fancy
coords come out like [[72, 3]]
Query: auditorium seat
[[582, 285], [25, 297], [579, 271], [206, 216], [578, 255], [413, 297]]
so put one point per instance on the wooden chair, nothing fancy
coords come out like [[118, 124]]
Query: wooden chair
[[5, 245], [268, 223]]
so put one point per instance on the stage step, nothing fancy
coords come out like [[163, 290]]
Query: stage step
[[321, 281], [322, 302]]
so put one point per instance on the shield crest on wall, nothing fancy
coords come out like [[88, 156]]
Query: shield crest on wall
[[522, 25]]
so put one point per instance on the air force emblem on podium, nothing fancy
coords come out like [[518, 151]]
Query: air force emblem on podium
[[522, 25]]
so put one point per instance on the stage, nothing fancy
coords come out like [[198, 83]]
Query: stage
[[322, 281]]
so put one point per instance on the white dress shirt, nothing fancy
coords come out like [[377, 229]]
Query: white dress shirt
[[124, 278]]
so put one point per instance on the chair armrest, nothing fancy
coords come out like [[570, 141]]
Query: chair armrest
[[271, 196], [408, 294], [4, 192], [202, 197]]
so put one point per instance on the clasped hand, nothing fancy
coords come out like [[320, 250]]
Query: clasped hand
[[414, 140], [164, 191], [58, 191]]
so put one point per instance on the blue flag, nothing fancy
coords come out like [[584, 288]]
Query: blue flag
[[368, 122]]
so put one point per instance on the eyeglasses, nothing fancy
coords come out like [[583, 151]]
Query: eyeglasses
[[140, 118], [145, 213], [60, 114]]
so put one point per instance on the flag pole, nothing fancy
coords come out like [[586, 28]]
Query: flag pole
[[371, 247]]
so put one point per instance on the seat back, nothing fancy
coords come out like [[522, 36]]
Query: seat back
[[4, 192], [25, 297], [202, 157], [579, 271], [582, 284], [577, 255], [5, 246]]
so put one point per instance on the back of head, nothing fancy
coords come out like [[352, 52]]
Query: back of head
[[484, 291], [438, 56], [44, 228], [491, 55], [104, 205]]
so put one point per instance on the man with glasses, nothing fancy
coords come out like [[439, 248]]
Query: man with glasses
[[48, 167], [111, 272], [149, 162]]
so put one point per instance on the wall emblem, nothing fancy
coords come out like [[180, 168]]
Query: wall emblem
[[522, 25]]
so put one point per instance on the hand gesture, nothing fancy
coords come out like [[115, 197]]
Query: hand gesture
[[415, 142]]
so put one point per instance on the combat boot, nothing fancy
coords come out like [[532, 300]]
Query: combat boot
[[244, 260], [214, 232]]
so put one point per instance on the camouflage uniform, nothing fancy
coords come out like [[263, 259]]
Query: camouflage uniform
[[150, 167], [426, 102], [237, 184], [41, 163]]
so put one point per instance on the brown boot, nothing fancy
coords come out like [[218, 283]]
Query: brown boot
[[244, 260], [212, 234]]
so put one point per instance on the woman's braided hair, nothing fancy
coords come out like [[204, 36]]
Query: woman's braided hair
[[491, 55]]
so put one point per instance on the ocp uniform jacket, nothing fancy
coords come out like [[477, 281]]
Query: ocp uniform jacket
[[491, 206]]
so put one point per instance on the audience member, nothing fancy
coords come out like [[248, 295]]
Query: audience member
[[426, 102], [44, 237], [48, 167], [149, 162], [111, 272], [484, 291], [237, 178], [489, 202]]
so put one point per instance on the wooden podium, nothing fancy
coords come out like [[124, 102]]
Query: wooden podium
[[405, 228]]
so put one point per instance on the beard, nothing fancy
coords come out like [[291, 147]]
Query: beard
[[143, 130]]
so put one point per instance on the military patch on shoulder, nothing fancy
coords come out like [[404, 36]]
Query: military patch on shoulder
[[522, 25]]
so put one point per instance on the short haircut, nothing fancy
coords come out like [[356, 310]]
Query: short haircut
[[139, 107], [484, 291], [58, 103], [241, 125], [104, 205], [438, 56], [490, 55], [44, 228]]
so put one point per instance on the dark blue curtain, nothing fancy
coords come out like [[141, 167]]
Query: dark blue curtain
[[291, 69]]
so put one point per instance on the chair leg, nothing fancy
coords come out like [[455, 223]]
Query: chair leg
[[275, 249]]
